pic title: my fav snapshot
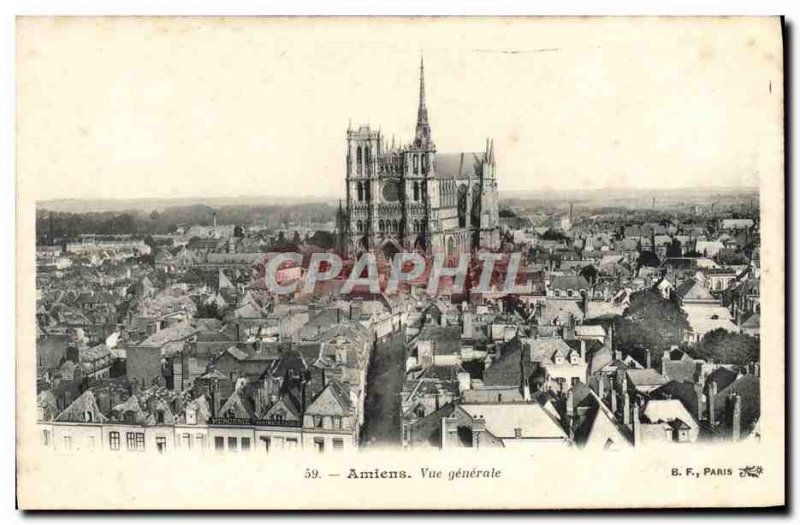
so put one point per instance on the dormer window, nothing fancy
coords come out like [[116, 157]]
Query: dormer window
[[88, 417]]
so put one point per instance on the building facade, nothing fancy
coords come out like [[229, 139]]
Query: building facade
[[403, 198]]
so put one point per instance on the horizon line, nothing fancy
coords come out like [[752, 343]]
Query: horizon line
[[317, 198]]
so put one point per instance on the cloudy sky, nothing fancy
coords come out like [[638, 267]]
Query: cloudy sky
[[138, 107]]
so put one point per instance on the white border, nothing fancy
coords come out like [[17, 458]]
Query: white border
[[10, 9]]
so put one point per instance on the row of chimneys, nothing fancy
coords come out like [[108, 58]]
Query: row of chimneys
[[733, 406], [629, 414]]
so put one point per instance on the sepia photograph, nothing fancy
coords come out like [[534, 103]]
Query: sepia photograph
[[400, 263]]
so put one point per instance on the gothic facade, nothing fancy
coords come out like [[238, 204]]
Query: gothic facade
[[413, 198]]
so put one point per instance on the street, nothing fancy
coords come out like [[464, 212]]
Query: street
[[384, 384]]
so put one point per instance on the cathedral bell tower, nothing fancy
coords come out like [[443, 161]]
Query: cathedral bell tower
[[419, 170], [423, 133]]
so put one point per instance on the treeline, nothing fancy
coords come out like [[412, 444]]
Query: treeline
[[69, 226]]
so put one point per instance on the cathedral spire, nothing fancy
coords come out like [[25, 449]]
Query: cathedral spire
[[423, 132]]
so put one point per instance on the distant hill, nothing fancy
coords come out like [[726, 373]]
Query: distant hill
[[599, 196], [160, 204]]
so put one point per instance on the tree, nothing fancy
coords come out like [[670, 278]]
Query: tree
[[648, 258], [209, 310], [552, 235], [650, 322], [589, 272], [674, 249], [323, 239], [726, 347]]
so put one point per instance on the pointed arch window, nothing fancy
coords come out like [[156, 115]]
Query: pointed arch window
[[416, 191], [358, 160], [359, 226], [360, 192], [416, 164], [395, 227], [381, 226]]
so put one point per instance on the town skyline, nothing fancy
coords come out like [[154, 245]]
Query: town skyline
[[589, 196]]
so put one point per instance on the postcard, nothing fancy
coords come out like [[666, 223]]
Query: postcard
[[400, 263]]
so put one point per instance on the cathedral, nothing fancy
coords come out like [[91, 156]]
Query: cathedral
[[411, 198]]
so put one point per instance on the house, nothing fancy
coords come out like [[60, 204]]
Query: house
[[567, 286], [554, 365], [561, 312], [689, 393], [247, 359], [437, 345], [736, 224], [666, 421], [645, 380], [752, 326], [590, 333], [692, 291], [79, 428], [703, 318], [330, 422], [596, 427], [679, 366], [525, 426], [143, 364]]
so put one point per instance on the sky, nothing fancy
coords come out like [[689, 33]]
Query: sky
[[184, 107]]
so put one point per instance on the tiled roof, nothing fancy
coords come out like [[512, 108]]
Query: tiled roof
[[502, 420], [645, 377], [667, 411], [544, 349], [567, 282], [77, 410]]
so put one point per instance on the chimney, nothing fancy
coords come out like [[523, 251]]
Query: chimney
[[151, 404], [600, 383], [467, 324], [613, 401], [478, 426], [464, 382], [215, 401], [626, 410], [698, 392], [736, 417], [664, 359], [637, 426], [647, 358], [583, 350], [570, 405], [756, 370], [712, 399]]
